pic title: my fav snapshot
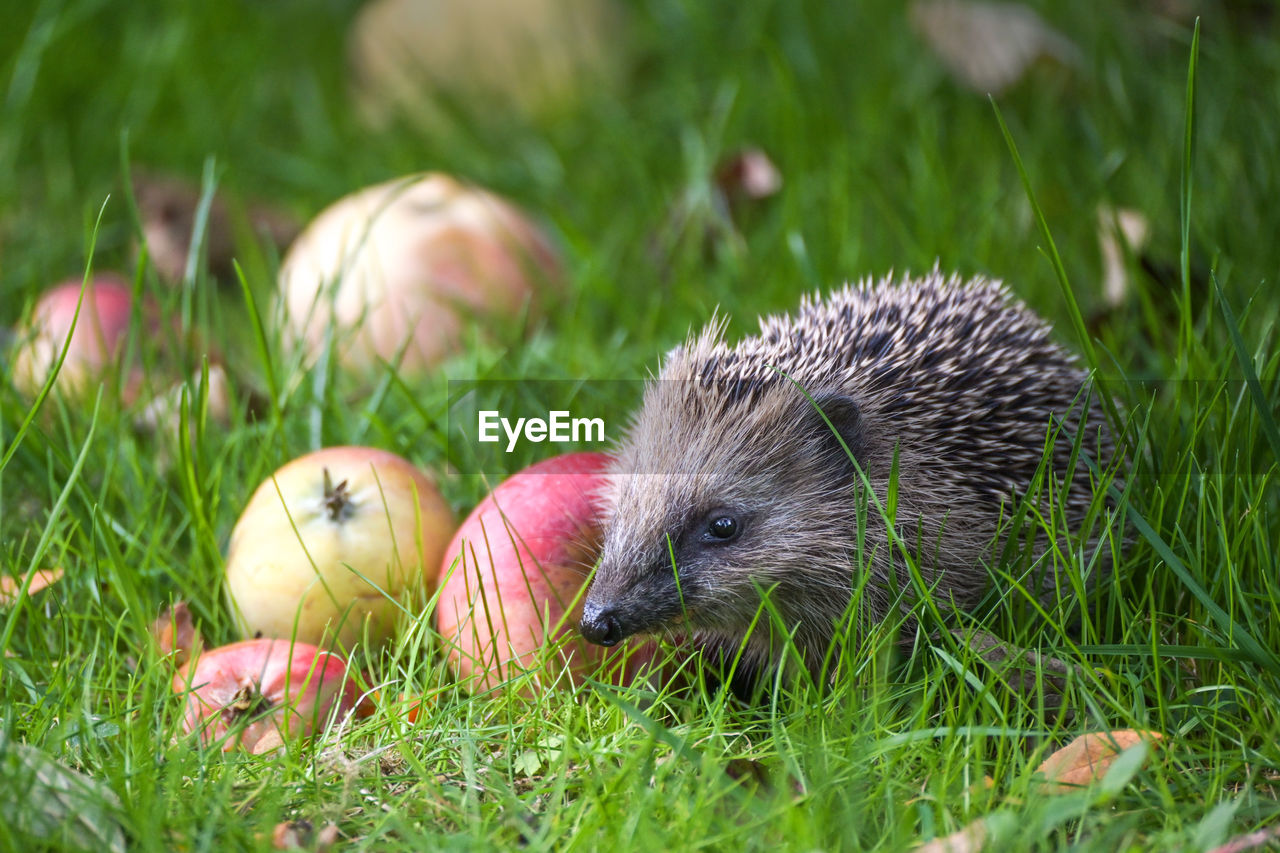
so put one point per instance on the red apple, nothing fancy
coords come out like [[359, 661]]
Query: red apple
[[97, 336], [393, 272], [512, 577], [332, 543], [240, 693]]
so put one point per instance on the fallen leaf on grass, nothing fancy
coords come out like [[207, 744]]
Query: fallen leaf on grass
[[1251, 841], [1115, 225], [414, 706], [1087, 758], [327, 837], [269, 742], [43, 800], [711, 207], [989, 46], [967, 840], [11, 586], [411, 706], [749, 174], [749, 772], [175, 633], [167, 208]]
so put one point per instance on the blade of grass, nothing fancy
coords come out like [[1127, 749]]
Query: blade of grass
[[190, 477], [264, 352], [1050, 248], [1258, 653], [1184, 195], [54, 514], [199, 229], [62, 354], [1265, 409]]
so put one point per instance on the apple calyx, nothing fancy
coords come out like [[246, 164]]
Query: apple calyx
[[248, 703], [337, 500]]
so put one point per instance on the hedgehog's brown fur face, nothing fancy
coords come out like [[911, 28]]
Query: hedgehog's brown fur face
[[702, 523]]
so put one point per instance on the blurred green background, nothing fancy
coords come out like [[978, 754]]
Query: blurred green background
[[889, 162]]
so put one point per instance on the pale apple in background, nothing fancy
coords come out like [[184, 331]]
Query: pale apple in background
[[164, 413], [331, 543], [160, 420], [97, 341], [512, 576], [396, 272], [241, 693], [533, 58]]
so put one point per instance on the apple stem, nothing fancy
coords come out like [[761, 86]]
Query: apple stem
[[336, 498]]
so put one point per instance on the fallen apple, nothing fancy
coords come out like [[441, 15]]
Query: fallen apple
[[97, 336], [427, 60], [241, 693], [511, 578], [390, 273], [329, 545], [161, 419]]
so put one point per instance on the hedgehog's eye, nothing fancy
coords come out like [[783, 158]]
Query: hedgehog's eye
[[722, 527]]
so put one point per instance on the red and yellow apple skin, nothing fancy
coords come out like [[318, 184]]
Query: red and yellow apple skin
[[238, 694], [330, 544], [511, 581]]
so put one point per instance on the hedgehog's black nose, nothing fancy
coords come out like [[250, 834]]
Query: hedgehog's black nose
[[601, 626]]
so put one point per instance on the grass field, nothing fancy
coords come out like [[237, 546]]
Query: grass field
[[887, 164]]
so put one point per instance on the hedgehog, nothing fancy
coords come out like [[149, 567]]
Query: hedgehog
[[764, 469]]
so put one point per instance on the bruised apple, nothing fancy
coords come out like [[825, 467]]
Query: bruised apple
[[512, 576], [245, 692], [394, 272], [97, 336], [329, 544]]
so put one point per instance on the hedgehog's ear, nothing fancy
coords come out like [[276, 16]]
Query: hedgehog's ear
[[842, 424]]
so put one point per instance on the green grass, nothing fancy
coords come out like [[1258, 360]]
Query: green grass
[[887, 165]]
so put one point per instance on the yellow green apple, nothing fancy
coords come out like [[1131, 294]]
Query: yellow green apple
[[329, 546]]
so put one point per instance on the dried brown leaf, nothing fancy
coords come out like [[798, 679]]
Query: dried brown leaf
[[269, 742], [749, 174], [1116, 225], [11, 586], [167, 208], [1087, 758], [748, 771], [967, 840], [414, 705], [175, 633], [988, 47], [1250, 841], [327, 837]]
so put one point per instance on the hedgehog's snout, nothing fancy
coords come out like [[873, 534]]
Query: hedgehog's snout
[[601, 625], [619, 605]]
